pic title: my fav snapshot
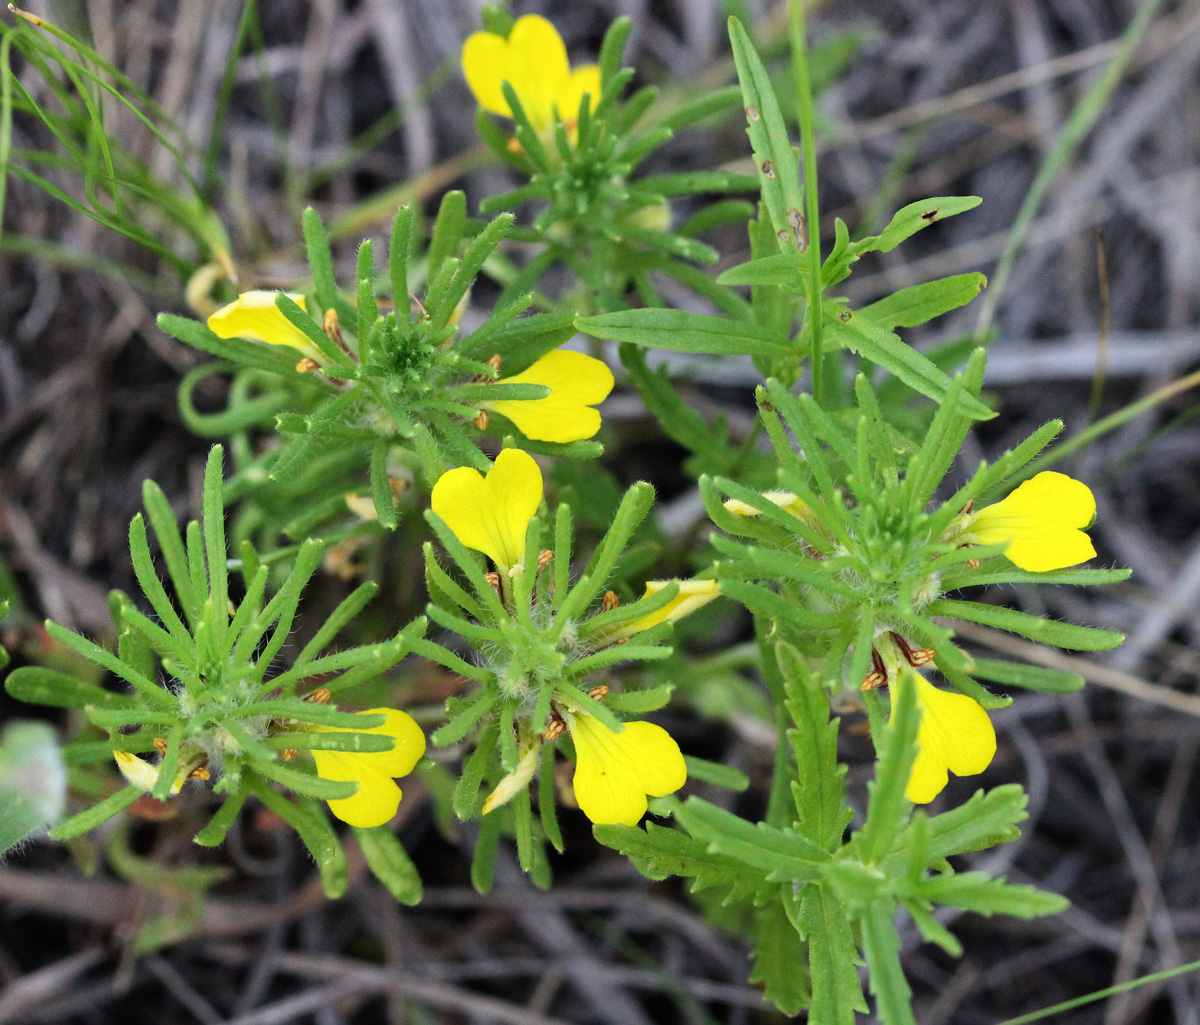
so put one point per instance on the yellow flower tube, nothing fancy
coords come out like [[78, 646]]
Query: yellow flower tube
[[533, 60], [693, 594], [955, 735], [577, 382], [1042, 522], [143, 775], [375, 772], [491, 514], [615, 772], [254, 315]]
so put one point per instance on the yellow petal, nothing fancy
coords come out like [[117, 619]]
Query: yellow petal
[[583, 80], [514, 782], [533, 60], [377, 797], [576, 383], [142, 774], [784, 499], [615, 771], [692, 595], [254, 315], [1041, 521], [955, 735], [491, 514]]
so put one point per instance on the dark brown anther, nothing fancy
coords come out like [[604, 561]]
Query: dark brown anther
[[481, 421], [915, 657], [320, 696], [877, 677], [873, 681], [599, 692], [610, 601]]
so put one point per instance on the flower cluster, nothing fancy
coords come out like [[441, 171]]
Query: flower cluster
[[615, 769], [573, 382]]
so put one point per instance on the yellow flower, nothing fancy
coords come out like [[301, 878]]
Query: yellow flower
[[784, 499], [254, 315], [576, 382], [533, 60], [377, 797], [143, 775], [955, 735], [1042, 522], [614, 772], [491, 514], [693, 594]]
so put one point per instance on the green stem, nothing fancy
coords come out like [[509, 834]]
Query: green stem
[[1100, 994], [798, 37]]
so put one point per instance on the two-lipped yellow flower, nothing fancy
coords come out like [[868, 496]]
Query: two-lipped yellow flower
[[254, 315], [615, 772], [375, 772], [533, 60], [491, 514], [577, 382], [955, 735], [1042, 522]]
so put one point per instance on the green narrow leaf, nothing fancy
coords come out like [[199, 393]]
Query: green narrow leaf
[[886, 349], [779, 957], [885, 976], [320, 259], [79, 824], [887, 807], [919, 304], [775, 158], [988, 818], [39, 686], [985, 895], [1044, 631], [465, 801], [680, 331], [447, 231], [389, 862], [832, 959], [487, 847], [1020, 674], [315, 833], [910, 219], [214, 833], [818, 789]]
